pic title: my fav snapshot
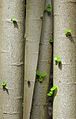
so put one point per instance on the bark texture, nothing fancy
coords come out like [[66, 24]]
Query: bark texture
[[34, 11], [65, 47], [40, 104], [11, 58]]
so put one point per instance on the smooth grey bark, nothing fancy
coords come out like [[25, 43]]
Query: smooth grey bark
[[34, 11], [11, 58], [65, 18], [40, 104]]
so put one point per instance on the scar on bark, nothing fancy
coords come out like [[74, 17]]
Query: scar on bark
[[29, 84]]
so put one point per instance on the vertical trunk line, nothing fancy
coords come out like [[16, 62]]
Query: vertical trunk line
[[34, 11], [64, 47], [40, 102], [11, 58]]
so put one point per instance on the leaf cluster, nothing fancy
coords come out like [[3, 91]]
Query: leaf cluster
[[68, 32], [57, 60], [14, 20], [40, 76], [48, 9], [52, 90], [4, 85]]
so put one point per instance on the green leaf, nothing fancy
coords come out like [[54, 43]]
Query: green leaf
[[13, 19], [54, 88], [4, 84], [40, 80], [57, 59], [41, 75], [50, 94], [68, 32], [48, 8]]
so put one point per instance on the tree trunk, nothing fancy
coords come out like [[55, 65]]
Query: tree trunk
[[34, 11], [65, 47], [11, 58], [40, 104]]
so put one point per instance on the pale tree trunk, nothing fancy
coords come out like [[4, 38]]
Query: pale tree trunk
[[34, 11], [65, 47], [40, 103], [11, 58]]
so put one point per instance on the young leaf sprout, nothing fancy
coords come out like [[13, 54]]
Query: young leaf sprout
[[68, 32], [40, 76], [48, 9], [57, 60], [52, 90]]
